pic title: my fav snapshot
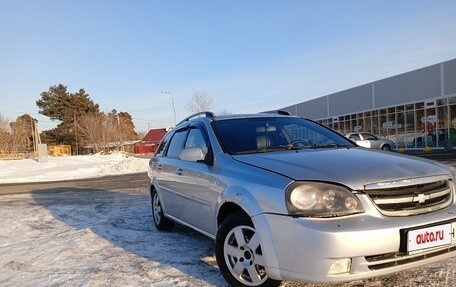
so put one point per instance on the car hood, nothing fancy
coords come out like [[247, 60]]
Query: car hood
[[352, 167]]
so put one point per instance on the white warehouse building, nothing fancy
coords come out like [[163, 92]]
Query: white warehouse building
[[416, 109]]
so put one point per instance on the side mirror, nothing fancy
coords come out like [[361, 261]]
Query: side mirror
[[192, 154]]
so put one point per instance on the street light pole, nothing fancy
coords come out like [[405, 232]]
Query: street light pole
[[174, 107]]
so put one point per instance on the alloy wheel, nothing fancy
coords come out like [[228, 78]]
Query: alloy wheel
[[157, 209], [243, 256]]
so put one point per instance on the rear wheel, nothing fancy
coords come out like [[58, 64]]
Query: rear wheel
[[386, 147], [239, 255], [161, 222]]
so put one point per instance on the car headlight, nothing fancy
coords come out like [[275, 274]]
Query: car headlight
[[316, 199]]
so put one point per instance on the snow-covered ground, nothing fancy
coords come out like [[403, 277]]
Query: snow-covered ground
[[70, 167], [105, 237]]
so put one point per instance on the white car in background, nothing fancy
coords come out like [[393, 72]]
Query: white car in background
[[370, 141]]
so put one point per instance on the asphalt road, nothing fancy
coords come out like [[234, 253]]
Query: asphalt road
[[128, 181], [447, 157], [99, 232]]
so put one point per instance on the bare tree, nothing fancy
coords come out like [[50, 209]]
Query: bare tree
[[140, 135], [4, 133], [104, 131], [199, 101], [93, 130], [120, 128], [224, 112], [22, 133]]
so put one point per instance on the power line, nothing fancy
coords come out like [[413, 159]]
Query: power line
[[10, 112], [154, 121], [151, 109]]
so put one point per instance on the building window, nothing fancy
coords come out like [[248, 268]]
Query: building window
[[420, 138], [452, 124], [442, 126], [442, 102], [400, 127], [410, 129], [411, 126]]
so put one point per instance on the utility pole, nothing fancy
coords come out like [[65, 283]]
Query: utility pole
[[37, 135], [33, 135], [174, 107], [36, 140], [75, 132]]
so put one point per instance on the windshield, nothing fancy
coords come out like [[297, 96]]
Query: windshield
[[253, 135]]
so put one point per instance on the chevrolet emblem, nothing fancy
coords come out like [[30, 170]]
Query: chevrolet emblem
[[422, 197]]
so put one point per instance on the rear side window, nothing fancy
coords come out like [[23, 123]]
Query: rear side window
[[369, 137], [355, 137], [161, 147], [177, 144]]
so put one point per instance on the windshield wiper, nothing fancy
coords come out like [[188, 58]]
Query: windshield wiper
[[328, 145], [291, 147], [262, 150]]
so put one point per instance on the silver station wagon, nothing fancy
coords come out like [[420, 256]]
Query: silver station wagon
[[286, 198]]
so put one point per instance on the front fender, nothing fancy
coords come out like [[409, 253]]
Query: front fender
[[241, 197]]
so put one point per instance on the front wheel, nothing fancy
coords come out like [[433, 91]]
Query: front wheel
[[161, 222], [386, 147], [239, 255]]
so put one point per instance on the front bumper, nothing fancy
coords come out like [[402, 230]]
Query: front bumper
[[305, 248]]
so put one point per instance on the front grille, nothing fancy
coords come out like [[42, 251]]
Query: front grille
[[383, 261], [406, 200], [405, 190]]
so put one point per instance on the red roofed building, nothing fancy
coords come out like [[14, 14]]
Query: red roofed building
[[154, 136], [151, 141]]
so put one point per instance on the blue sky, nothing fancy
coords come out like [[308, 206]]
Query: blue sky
[[249, 55]]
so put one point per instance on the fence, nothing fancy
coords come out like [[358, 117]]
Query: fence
[[14, 155], [143, 149], [56, 150]]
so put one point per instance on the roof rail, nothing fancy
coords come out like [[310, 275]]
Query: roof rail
[[279, 112], [206, 114]]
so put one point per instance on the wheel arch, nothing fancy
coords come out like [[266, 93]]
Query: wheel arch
[[228, 208], [151, 188], [386, 144], [236, 199]]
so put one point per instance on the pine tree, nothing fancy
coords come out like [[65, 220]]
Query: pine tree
[[127, 126], [59, 104]]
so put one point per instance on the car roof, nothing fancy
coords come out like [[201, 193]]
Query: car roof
[[208, 117], [260, 115]]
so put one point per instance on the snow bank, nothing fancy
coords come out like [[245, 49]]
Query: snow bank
[[71, 167]]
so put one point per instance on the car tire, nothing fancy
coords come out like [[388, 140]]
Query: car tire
[[386, 147], [161, 222], [239, 255]]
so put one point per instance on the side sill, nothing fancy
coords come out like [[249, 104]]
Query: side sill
[[191, 226]]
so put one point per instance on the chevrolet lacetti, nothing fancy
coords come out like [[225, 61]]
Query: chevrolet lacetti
[[286, 198]]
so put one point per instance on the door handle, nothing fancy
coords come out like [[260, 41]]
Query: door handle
[[159, 167], [179, 171]]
